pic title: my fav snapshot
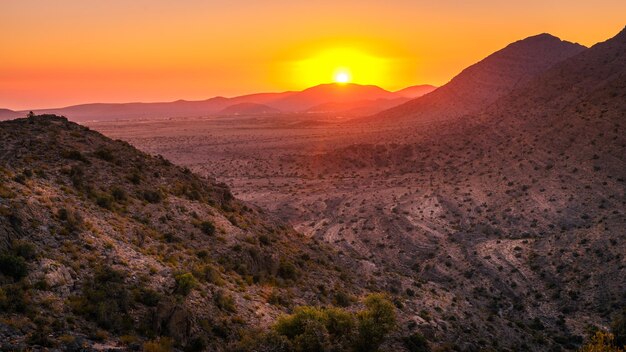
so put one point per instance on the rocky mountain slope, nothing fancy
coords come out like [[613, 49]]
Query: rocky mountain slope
[[519, 209], [484, 82]]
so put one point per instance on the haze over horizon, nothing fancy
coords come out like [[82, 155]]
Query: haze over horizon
[[70, 52]]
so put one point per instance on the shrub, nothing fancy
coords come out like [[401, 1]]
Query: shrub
[[74, 155], [375, 322], [104, 154], [24, 249], [104, 201], [152, 196], [105, 300], [13, 266], [13, 299], [341, 299], [287, 270], [135, 178], [224, 301], [601, 342], [318, 329], [118, 194], [416, 342], [207, 228], [185, 283], [73, 221]]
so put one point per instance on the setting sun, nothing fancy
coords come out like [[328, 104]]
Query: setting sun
[[342, 76], [341, 65]]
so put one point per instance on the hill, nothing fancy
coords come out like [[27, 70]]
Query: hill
[[416, 91], [331, 93], [6, 114], [484, 82], [103, 246]]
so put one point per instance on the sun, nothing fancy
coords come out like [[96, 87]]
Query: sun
[[342, 76]]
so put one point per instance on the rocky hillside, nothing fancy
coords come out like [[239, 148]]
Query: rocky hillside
[[518, 210], [484, 82], [103, 246]]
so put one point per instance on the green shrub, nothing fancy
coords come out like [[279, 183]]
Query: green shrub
[[318, 329], [13, 266], [375, 322], [185, 283], [601, 342]]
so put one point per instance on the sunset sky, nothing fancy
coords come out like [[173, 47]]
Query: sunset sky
[[63, 52]]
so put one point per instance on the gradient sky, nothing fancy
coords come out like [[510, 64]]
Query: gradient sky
[[63, 52]]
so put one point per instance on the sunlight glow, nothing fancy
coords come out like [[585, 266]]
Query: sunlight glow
[[342, 76], [341, 65]]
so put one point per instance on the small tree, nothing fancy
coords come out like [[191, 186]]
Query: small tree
[[375, 322], [185, 283]]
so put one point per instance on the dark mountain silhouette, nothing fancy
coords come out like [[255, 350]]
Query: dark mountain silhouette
[[484, 82], [373, 99], [331, 93]]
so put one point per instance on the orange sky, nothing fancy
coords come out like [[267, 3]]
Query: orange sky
[[63, 52]]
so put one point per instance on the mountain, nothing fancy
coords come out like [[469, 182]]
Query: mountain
[[299, 101], [6, 114], [484, 82], [517, 212], [416, 91], [103, 245], [248, 109], [331, 93]]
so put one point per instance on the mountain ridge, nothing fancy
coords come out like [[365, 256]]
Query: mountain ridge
[[482, 83], [288, 101]]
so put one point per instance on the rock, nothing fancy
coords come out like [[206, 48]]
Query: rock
[[57, 276]]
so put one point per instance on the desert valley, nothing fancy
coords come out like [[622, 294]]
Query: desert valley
[[486, 214]]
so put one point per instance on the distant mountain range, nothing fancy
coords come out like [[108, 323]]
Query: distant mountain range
[[344, 99]]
